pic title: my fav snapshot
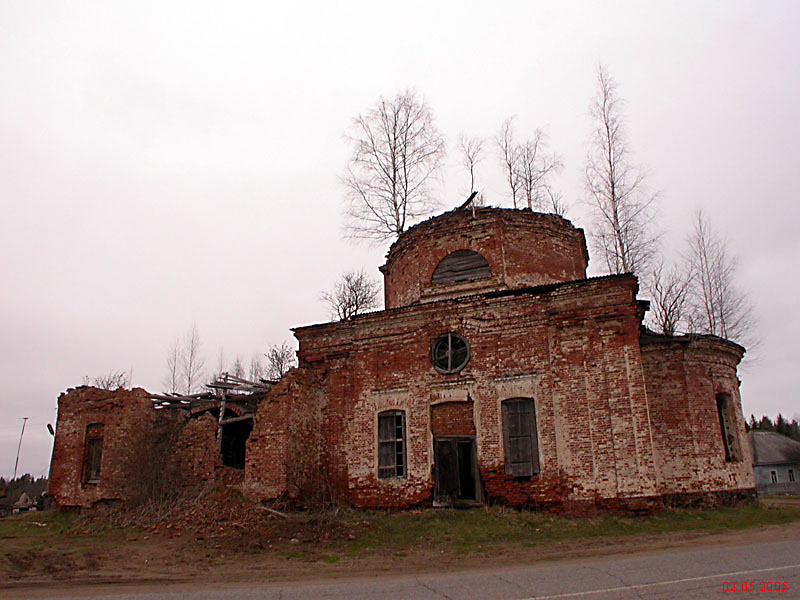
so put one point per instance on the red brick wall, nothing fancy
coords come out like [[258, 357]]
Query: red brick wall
[[284, 450], [127, 417], [684, 376], [522, 248], [143, 448], [452, 418], [574, 349], [195, 451]]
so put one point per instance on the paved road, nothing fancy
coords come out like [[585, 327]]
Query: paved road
[[663, 575]]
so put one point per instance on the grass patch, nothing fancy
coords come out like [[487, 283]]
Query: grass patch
[[330, 559], [64, 546], [480, 529]]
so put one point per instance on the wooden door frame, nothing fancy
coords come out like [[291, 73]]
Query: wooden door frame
[[473, 466]]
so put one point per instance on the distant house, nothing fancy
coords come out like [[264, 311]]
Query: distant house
[[23, 503], [776, 462]]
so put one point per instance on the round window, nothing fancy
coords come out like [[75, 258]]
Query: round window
[[450, 353]]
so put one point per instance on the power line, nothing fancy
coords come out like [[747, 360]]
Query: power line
[[16, 463]]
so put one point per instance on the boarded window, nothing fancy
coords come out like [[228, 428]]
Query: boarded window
[[461, 265], [519, 437], [449, 353], [93, 453], [391, 444], [727, 426]]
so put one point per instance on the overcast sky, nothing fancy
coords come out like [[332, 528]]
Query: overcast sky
[[166, 164]]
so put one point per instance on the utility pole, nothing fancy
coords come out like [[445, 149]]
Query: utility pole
[[16, 463]]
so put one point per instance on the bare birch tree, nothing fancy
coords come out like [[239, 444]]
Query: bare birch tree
[[526, 167], [534, 164], [192, 362], [257, 370], [185, 364], [397, 150], [555, 202], [623, 209], [237, 369], [113, 381], [719, 306], [669, 298], [509, 154], [280, 358], [172, 379], [353, 294], [470, 150]]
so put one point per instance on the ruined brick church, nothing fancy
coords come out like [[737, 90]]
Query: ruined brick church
[[497, 373]]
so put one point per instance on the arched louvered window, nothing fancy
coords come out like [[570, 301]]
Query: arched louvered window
[[461, 265]]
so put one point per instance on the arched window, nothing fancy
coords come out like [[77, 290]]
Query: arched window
[[461, 265], [391, 444], [520, 442]]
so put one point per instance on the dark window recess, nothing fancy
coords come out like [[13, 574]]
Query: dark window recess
[[773, 475], [461, 265], [449, 353], [519, 437], [791, 475], [93, 453], [727, 427], [234, 443], [391, 444]]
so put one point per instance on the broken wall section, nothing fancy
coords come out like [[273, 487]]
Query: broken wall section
[[115, 447], [285, 454], [109, 447]]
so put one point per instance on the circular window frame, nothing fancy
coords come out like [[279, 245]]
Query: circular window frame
[[448, 338]]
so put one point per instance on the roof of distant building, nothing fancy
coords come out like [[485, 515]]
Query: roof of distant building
[[770, 447]]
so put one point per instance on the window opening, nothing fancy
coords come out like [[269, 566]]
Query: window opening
[[727, 427], [520, 440], [461, 265], [791, 475], [93, 453], [450, 353], [773, 475], [234, 443], [391, 444]]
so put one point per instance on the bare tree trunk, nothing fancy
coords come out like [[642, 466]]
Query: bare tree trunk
[[470, 150], [192, 361], [623, 209], [719, 307], [397, 150]]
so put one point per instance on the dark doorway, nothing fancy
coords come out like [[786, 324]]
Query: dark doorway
[[456, 483], [234, 438]]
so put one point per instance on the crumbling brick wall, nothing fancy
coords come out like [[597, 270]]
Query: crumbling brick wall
[[129, 425], [684, 375], [195, 452], [522, 248], [145, 452], [284, 450]]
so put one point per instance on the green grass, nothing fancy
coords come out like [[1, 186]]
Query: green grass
[[480, 529]]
